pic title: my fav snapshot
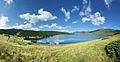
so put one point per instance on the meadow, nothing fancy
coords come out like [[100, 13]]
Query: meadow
[[17, 50]]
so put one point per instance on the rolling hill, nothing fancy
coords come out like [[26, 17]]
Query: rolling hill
[[30, 34], [99, 31]]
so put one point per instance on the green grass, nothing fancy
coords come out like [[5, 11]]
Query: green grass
[[90, 51]]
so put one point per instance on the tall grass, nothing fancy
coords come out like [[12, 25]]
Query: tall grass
[[91, 51]]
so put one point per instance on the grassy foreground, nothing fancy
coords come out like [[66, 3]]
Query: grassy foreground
[[90, 51]]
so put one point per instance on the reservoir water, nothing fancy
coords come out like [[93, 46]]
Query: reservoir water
[[68, 39]]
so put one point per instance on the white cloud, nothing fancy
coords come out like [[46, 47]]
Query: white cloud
[[67, 14], [8, 1], [4, 25], [86, 15], [54, 25], [69, 31], [24, 27], [108, 2], [85, 1], [96, 19], [86, 8], [76, 8], [25, 22], [3, 22], [43, 16], [75, 22], [26, 16], [84, 19], [63, 31]]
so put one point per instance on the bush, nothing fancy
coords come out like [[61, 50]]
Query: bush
[[116, 33], [33, 41], [19, 40], [113, 50], [104, 38]]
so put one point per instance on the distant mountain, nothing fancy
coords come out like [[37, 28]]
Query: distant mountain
[[99, 31], [15, 29], [82, 32], [105, 31]]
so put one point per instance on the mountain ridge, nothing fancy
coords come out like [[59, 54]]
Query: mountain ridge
[[99, 31]]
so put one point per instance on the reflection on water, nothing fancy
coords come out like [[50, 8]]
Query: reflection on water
[[68, 39], [52, 40]]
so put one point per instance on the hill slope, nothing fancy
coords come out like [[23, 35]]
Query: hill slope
[[29, 34], [91, 51], [99, 31]]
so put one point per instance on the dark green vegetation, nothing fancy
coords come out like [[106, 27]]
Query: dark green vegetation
[[99, 31], [104, 38], [113, 50], [29, 34]]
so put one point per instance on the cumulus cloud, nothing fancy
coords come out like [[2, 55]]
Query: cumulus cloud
[[4, 25], [8, 1], [75, 8], [67, 14], [24, 27], [108, 2], [54, 25], [86, 15], [43, 16], [96, 19], [3, 22]]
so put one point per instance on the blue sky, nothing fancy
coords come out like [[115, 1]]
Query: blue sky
[[59, 15]]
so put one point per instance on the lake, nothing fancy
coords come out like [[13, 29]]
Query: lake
[[68, 39]]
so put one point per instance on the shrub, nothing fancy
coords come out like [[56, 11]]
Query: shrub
[[19, 40], [33, 41], [113, 50], [104, 38], [116, 33]]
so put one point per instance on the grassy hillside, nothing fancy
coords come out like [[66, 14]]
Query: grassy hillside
[[99, 31], [91, 51], [105, 31]]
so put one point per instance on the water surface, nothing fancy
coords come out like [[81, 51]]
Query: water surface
[[68, 39]]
